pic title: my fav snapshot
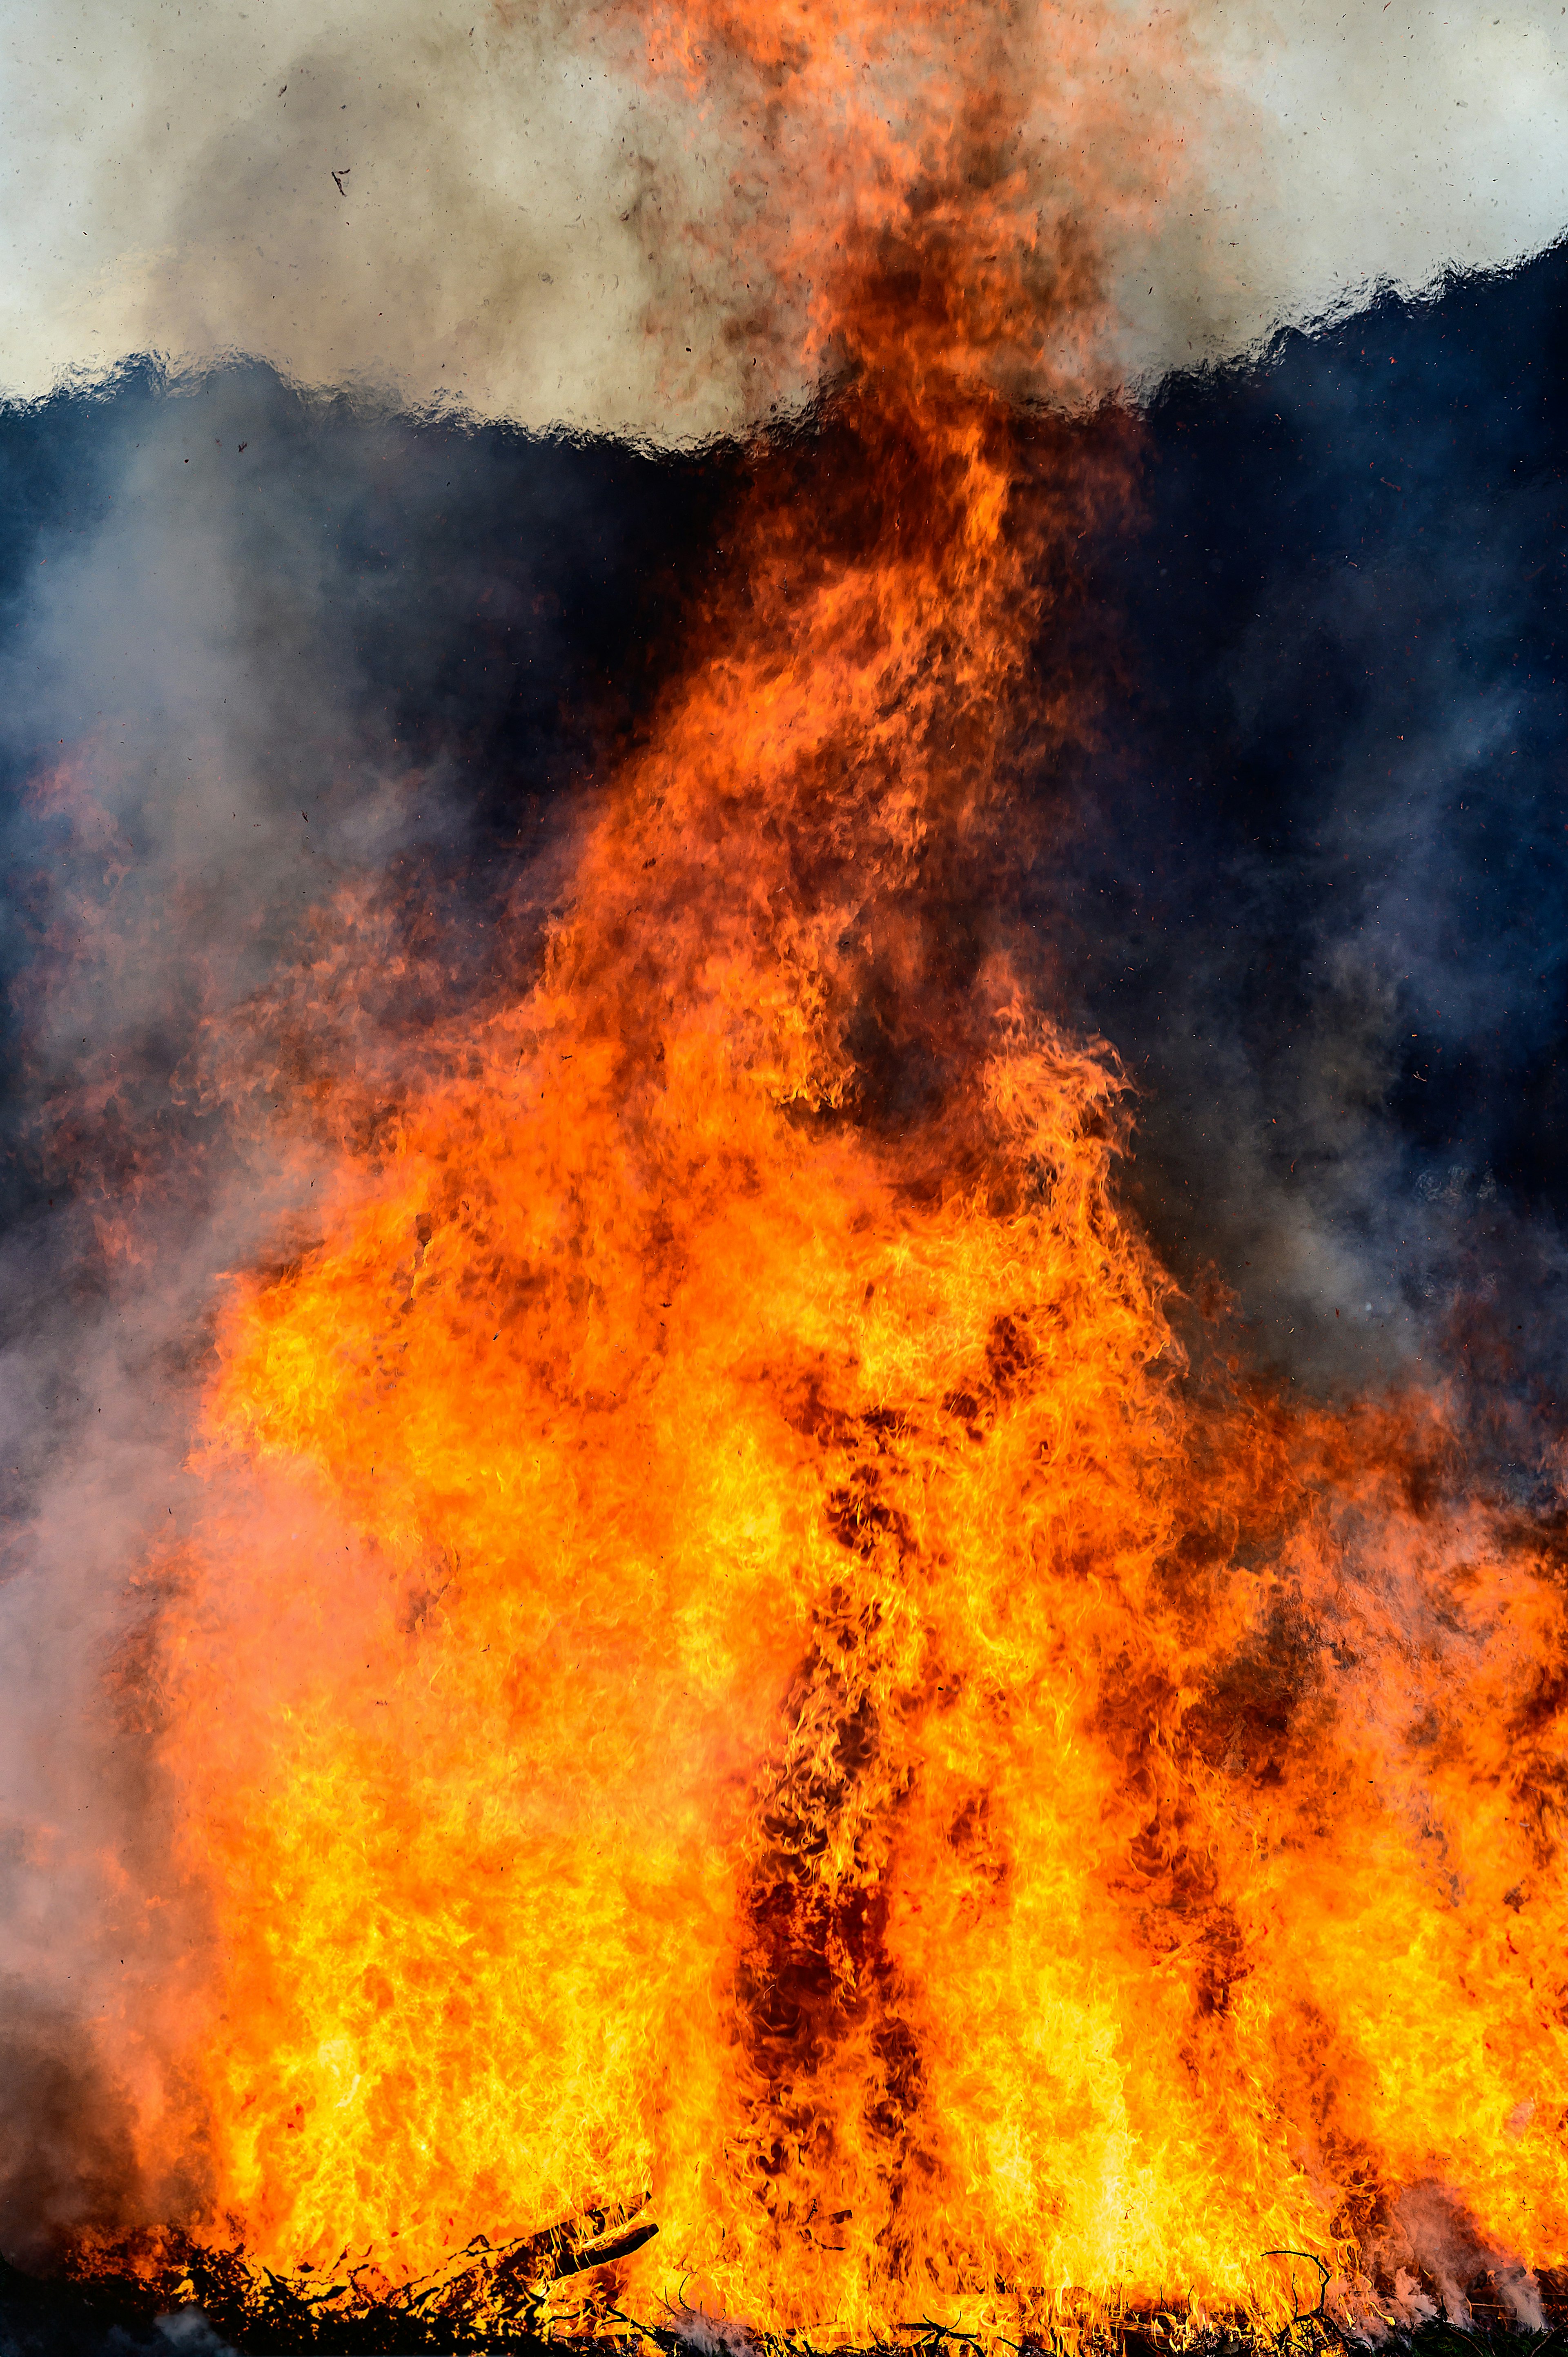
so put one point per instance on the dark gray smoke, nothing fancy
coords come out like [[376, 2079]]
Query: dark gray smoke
[[1317, 894]]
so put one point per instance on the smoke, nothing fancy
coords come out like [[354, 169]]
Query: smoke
[[1314, 889], [290, 691], [485, 209], [167, 633], [1432, 2230]]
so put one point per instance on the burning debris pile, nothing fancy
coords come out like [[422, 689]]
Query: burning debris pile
[[732, 1678]]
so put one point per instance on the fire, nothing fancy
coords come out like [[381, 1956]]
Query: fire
[[734, 1678]]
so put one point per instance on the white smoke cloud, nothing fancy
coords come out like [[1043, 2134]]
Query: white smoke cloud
[[474, 204], [1344, 148]]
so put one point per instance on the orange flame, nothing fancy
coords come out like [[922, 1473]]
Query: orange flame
[[734, 1677]]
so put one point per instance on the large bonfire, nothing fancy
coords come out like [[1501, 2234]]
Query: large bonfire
[[735, 1677]]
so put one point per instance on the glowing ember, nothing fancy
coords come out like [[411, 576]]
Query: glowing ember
[[733, 1677]]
